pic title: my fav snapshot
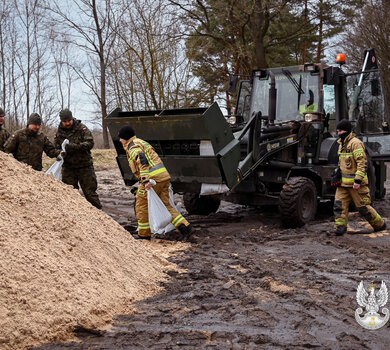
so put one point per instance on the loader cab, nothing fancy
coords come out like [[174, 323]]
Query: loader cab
[[298, 93], [368, 110], [243, 101]]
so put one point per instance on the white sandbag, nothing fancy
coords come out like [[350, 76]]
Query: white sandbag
[[208, 189], [159, 215], [56, 167]]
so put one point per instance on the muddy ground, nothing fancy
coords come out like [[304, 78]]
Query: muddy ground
[[245, 282]]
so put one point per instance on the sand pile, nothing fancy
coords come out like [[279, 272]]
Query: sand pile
[[62, 261]]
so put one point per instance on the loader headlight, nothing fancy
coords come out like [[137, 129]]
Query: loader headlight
[[232, 120], [311, 117]]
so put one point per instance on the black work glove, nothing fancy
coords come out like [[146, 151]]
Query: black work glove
[[336, 178], [134, 190], [59, 157]]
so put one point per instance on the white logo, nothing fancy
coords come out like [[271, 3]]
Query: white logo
[[372, 302]]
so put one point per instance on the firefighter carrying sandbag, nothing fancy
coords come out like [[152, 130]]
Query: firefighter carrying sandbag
[[146, 165]]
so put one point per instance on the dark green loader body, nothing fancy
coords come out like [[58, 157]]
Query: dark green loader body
[[279, 148]]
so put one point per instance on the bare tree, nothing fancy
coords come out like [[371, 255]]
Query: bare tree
[[370, 29], [90, 26], [151, 69]]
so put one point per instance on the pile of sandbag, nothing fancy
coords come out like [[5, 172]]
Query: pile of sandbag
[[62, 261]]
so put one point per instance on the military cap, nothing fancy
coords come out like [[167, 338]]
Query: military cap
[[35, 119], [65, 115]]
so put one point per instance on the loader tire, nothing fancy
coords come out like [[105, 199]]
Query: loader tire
[[200, 205], [298, 201]]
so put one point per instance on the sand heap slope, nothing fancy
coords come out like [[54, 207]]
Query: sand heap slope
[[62, 261]]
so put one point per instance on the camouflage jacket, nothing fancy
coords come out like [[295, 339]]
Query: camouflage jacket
[[4, 135], [81, 137], [27, 147]]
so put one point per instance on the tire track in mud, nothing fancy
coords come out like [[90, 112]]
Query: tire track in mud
[[247, 283]]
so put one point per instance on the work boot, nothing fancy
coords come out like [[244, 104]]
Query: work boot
[[186, 231], [340, 230], [141, 237], [383, 227]]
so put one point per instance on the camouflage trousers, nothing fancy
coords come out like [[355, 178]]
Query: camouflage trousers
[[362, 200], [86, 177], [141, 208]]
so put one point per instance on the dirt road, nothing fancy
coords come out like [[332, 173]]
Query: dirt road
[[247, 283]]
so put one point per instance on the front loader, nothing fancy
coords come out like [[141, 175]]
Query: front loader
[[280, 147]]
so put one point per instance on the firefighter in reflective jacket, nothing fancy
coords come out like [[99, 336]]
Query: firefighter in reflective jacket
[[354, 181], [146, 165]]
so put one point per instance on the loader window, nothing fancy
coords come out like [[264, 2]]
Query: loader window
[[330, 107], [296, 94], [367, 106], [243, 100]]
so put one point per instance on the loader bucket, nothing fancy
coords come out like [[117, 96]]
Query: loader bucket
[[196, 144]]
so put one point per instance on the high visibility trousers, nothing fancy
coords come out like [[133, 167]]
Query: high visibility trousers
[[362, 200], [141, 208]]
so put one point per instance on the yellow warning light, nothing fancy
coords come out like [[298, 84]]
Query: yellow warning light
[[341, 58]]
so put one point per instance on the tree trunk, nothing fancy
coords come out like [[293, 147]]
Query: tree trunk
[[304, 48], [320, 31], [261, 22], [103, 101]]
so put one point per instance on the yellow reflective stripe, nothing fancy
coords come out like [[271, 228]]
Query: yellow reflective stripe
[[341, 222], [365, 178], [358, 150], [377, 219], [156, 172], [141, 191], [360, 173], [146, 144], [135, 149], [176, 221], [143, 225], [134, 153], [149, 158], [349, 180], [144, 172], [345, 155]]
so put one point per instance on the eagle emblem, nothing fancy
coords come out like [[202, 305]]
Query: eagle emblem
[[372, 302]]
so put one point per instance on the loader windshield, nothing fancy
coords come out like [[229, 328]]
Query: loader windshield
[[297, 93], [366, 103]]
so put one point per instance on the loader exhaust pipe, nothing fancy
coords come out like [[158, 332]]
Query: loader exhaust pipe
[[272, 100]]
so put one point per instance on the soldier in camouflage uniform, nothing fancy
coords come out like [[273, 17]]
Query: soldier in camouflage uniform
[[28, 144], [4, 134], [78, 163]]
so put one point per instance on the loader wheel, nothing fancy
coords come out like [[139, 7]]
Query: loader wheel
[[200, 205], [298, 201]]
